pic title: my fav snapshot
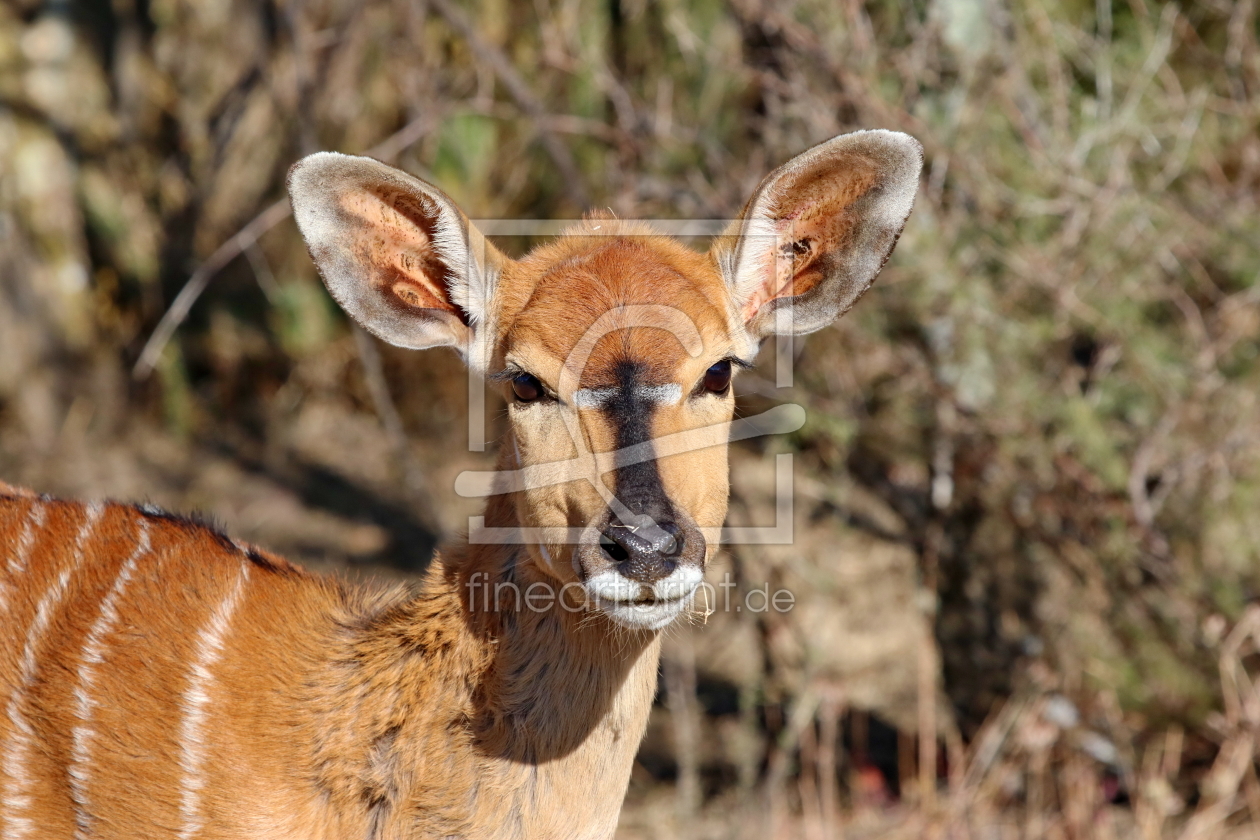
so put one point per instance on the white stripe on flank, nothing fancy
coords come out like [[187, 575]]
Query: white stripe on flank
[[196, 698], [34, 520], [17, 563], [17, 798], [662, 394], [84, 702]]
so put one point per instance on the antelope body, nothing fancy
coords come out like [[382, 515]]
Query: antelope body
[[159, 680]]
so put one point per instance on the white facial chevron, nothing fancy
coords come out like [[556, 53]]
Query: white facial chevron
[[661, 394]]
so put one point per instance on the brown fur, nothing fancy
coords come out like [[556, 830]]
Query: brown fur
[[395, 715], [159, 680]]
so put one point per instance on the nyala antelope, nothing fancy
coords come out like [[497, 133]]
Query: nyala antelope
[[160, 680]]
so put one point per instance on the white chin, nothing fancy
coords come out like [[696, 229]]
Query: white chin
[[644, 615], [643, 606]]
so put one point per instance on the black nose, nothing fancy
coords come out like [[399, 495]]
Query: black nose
[[645, 551]]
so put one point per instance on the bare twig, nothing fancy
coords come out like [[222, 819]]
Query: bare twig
[[183, 303], [829, 710], [802, 711], [246, 238], [680, 684], [417, 485], [263, 274], [927, 720], [1139, 497], [807, 784]]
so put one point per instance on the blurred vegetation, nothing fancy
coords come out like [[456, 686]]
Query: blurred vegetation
[[1053, 387]]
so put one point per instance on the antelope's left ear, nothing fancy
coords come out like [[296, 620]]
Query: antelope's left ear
[[818, 230]]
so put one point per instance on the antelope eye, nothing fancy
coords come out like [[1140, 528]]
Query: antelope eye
[[527, 387], [717, 379]]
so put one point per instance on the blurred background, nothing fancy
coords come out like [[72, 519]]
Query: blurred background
[[1027, 497]]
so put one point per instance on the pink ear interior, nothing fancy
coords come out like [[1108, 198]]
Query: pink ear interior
[[813, 215], [397, 239]]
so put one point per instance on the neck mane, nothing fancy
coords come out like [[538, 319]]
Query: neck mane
[[462, 711]]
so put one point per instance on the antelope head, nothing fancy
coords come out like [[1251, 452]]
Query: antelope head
[[615, 347]]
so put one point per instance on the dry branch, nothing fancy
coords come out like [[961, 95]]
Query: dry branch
[[245, 238]]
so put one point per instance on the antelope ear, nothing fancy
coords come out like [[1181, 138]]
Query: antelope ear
[[396, 253], [818, 230]]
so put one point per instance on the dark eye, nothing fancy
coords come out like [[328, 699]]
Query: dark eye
[[717, 379], [527, 387]]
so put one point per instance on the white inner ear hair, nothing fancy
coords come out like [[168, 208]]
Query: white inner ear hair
[[596, 397]]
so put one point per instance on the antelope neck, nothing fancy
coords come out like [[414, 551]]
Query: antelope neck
[[509, 706]]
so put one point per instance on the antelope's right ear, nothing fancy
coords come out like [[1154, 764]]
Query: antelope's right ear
[[396, 253]]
